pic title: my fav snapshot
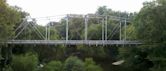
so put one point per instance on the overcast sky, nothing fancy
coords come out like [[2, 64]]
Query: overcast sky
[[42, 8]]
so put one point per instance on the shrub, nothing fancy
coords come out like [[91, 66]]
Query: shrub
[[26, 62], [73, 64], [90, 65], [53, 66]]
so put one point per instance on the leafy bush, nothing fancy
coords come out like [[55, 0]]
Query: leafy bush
[[73, 64], [90, 65], [27, 62], [53, 66]]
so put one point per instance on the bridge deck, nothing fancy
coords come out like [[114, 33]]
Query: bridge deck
[[74, 42]]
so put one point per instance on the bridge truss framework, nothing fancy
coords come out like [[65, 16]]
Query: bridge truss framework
[[86, 41]]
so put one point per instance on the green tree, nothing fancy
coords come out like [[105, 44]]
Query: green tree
[[76, 27], [90, 65], [53, 66], [73, 64], [47, 54], [92, 51], [103, 10], [95, 32], [136, 59], [26, 62], [150, 22], [150, 28], [9, 17]]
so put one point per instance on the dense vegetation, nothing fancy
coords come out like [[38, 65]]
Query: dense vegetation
[[148, 26]]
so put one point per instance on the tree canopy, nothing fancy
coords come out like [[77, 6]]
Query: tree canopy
[[9, 17]]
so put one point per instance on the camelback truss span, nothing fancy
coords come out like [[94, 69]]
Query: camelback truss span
[[47, 41]]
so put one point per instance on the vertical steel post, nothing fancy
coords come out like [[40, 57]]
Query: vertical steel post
[[46, 33], [106, 27], [67, 28], [120, 30], [102, 29], [86, 28], [49, 31], [125, 30]]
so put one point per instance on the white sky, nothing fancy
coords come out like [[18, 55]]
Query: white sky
[[42, 8]]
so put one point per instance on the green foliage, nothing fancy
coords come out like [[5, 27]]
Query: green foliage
[[53, 66], [73, 64], [113, 25], [90, 65], [150, 22], [150, 27], [9, 16], [47, 54], [76, 26], [26, 62], [92, 51], [8, 68], [53, 34], [162, 2], [102, 10], [157, 55], [135, 59], [95, 32]]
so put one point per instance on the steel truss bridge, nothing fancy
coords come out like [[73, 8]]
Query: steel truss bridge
[[47, 41]]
